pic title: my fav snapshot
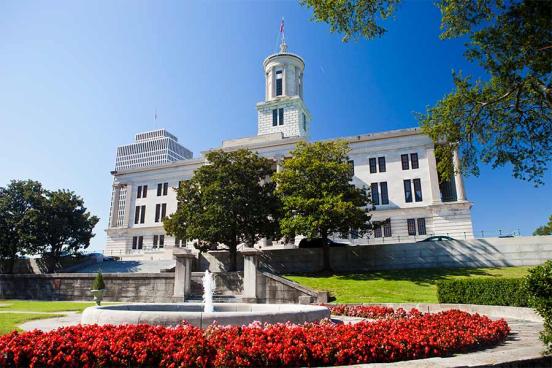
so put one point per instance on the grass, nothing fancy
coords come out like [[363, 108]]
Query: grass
[[10, 318], [10, 321], [396, 286], [43, 306]]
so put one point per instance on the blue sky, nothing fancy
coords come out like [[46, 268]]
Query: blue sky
[[78, 78]]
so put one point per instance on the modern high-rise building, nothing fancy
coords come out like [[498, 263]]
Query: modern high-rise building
[[398, 166]]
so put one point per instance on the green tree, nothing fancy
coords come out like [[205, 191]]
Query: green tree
[[66, 226], [504, 118], [228, 201], [20, 204], [317, 196], [544, 229]]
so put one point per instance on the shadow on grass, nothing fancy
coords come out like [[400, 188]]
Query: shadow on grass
[[423, 276]]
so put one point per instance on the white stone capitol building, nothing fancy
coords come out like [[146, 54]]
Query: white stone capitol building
[[398, 166]]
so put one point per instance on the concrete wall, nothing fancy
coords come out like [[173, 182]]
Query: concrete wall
[[489, 252], [276, 289], [128, 287]]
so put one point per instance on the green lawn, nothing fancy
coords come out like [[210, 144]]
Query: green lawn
[[9, 321], [43, 306], [401, 286], [10, 318]]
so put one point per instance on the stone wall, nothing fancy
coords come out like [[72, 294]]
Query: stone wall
[[131, 287], [488, 252], [276, 289]]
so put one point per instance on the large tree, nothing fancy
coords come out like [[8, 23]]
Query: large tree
[[544, 229], [317, 196], [505, 117], [20, 203], [66, 226], [228, 201]]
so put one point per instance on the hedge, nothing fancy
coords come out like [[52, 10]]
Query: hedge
[[485, 291]]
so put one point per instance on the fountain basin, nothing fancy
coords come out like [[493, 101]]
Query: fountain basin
[[168, 314]]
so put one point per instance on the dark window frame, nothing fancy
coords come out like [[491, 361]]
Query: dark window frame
[[274, 117], [407, 191], [159, 189], [143, 214], [279, 83], [387, 232], [373, 165], [381, 164], [157, 212], [404, 162], [140, 242], [163, 211], [411, 226], [421, 226], [418, 196], [137, 215], [134, 242], [414, 160], [378, 232], [384, 193], [281, 116], [374, 194], [139, 192], [144, 191], [165, 188]]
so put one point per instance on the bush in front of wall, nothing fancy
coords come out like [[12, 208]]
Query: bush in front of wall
[[484, 291], [98, 283]]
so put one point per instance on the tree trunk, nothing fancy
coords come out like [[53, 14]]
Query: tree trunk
[[325, 251]]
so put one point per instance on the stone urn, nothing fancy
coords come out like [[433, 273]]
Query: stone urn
[[98, 295]]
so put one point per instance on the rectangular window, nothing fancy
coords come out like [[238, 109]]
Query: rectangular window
[[165, 188], [404, 162], [374, 193], [159, 189], [157, 212], [407, 191], [414, 160], [155, 241], [417, 190], [377, 231], [143, 214], [384, 193], [411, 223], [275, 117], [161, 241], [134, 242], [144, 191], [421, 226], [137, 215], [304, 122], [163, 211], [351, 167], [281, 116], [387, 229], [140, 242], [381, 164], [279, 81], [139, 193], [373, 168]]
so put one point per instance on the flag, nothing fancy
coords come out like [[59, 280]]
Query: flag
[[282, 26]]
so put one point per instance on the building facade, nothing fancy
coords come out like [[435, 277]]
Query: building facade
[[398, 166]]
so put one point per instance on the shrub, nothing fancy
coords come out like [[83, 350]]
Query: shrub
[[416, 336], [539, 286], [486, 291], [98, 283]]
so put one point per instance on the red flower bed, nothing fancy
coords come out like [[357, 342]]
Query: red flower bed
[[365, 311], [313, 344]]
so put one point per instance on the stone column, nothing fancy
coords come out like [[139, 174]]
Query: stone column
[[458, 180], [433, 176], [250, 262], [182, 273], [115, 205]]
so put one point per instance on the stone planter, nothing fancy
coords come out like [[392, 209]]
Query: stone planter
[[98, 295]]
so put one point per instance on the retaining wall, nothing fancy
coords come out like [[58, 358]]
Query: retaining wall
[[488, 252]]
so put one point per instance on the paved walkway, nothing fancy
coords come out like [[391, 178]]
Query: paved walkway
[[522, 345]]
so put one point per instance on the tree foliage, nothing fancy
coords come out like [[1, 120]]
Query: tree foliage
[[66, 226], [544, 229], [503, 118], [229, 201], [317, 196], [37, 221], [20, 203]]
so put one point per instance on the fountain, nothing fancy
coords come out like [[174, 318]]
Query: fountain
[[208, 289], [203, 314]]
